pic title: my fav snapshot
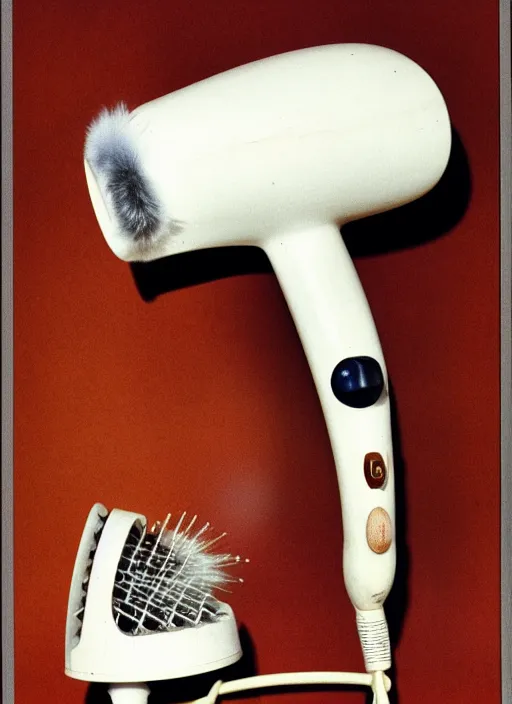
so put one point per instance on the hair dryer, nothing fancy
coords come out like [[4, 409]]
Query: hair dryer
[[281, 153]]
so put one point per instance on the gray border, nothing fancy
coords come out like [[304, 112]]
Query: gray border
[[7, 355], [7, 362], [506, 352]]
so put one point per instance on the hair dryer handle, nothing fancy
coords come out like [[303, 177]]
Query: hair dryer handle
[[334, 322]]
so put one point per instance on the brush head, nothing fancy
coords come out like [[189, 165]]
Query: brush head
[[141, 604], [166, 577], [307, 138]]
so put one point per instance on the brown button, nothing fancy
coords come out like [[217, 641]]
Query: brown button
[[374, 470], [379, 531]]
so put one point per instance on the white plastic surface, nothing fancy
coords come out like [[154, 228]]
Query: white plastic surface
[[132, 693], [94, 523], [106, 654], [334, 321]]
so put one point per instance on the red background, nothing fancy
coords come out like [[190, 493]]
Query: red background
[[202, 399]]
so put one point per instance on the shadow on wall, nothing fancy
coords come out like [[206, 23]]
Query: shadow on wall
[[424, 220], [397, 602]]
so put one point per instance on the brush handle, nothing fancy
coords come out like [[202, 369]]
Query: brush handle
[[334, 322], [129, 693]]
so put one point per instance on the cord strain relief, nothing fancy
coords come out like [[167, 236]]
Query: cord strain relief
[[374, 637]]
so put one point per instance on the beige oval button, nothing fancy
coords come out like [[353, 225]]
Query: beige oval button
[[379, 531]]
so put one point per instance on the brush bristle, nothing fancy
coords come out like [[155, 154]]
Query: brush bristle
[[114, 158], [166, 578]]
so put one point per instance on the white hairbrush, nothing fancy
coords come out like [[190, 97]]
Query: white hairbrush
[[141, 606]]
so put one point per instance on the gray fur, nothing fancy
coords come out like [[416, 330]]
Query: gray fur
[[112, 155]]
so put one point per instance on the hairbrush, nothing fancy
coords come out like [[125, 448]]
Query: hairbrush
[[141, 604]]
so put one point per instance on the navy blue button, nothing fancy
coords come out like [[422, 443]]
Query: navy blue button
[[357, 381]]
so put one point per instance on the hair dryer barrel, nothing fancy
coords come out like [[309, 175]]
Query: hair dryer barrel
[[328, 134]]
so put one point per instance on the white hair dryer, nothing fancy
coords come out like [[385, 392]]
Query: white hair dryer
[[280, 153]]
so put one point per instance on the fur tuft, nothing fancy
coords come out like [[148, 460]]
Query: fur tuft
[[112, 155]]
